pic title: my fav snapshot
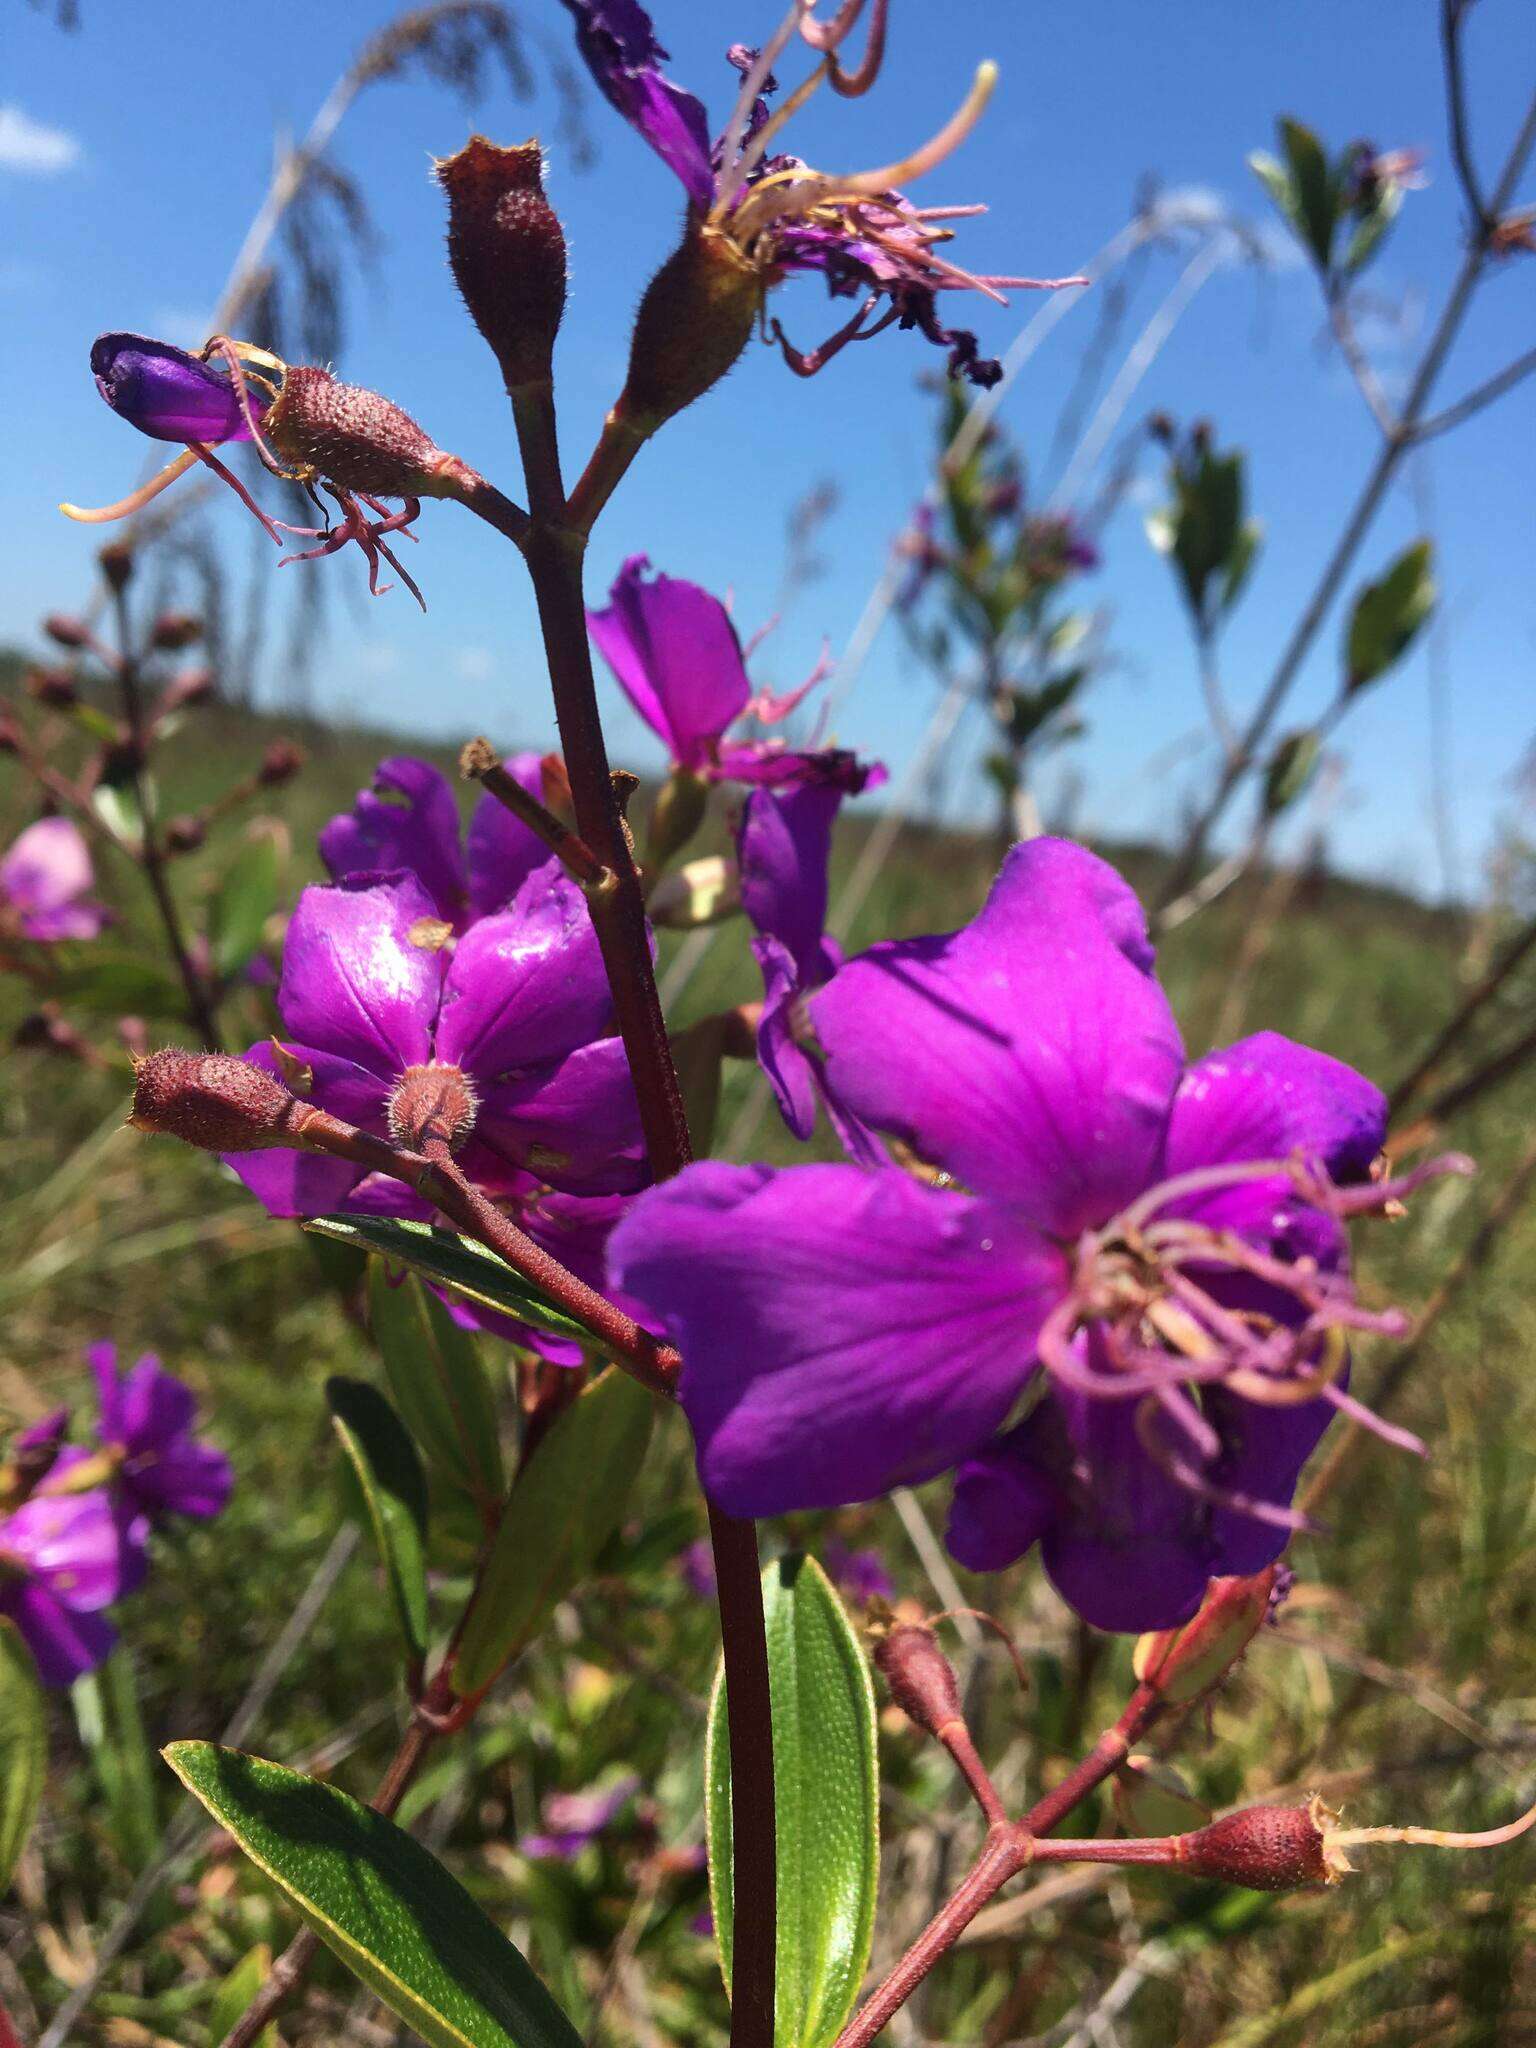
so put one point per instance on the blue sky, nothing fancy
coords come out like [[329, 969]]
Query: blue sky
[[130, 165]]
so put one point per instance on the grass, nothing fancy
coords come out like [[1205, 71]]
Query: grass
[[1403, 1680]]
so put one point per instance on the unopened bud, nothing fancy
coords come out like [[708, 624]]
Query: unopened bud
[[1266, 1848], [676, 815], [432, 1101], [355, 437], [10, 735], [116, 563], [174, 630], [47, 1030], [1182, 1663], [919, 1676], [185, 834], [211, 1100], [507, 252], [65, 631], [188, 686], [55, 686], [280, 763], [694, 321]]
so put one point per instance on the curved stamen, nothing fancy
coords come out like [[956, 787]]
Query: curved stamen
[[103, 515], [1181, 1470]]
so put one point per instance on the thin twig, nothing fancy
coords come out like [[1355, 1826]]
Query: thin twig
[[1470, 1007], [1452, 15], [480, 763], [1479, 396]]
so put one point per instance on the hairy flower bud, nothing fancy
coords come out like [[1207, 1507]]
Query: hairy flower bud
[[281, 761], [1266, 1848], [55, 686], [354, 437], [211, 1100], [694, 321], [507, 251], [116, 563], [432, 1101], [65, 631], [185, 834], [174, 630], [920, 1677]]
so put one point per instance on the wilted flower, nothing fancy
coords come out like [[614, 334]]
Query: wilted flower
[[43, 880], [392, 1024], [63, 1558], [146, 1423], [770, 216], [409, 820], [679, 660], [1156, 1251]]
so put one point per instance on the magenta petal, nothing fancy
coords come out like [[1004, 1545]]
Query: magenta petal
[[842, 1332], [410, 820], [527, 986], [502, 851], [295, 1183], [1030, 1054], [675, 652], [71, 1544], [618, 43], [65, 1643], [1268, 1098], [355, 983], [573, 1122], [783, 848], [1263, 1451], [46, 868], [789, 1069], [167, 393]]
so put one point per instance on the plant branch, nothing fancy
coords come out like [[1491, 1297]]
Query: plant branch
[[479, 763], [1479, 396], [1472, 1005], [1452, 15], [1360, 365], [1393, 448]]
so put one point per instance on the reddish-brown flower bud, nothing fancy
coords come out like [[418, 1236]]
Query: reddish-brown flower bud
[[432, 1101], [212, 1100], [65, 631], [174, 630], [1182, 1663], [507, 251], [10, 734], [1266, 1848], [185, 834], [694, 321], [281, 761], [355, 437], [919, 1676], [55, 686], [188, 686], [116, 563]]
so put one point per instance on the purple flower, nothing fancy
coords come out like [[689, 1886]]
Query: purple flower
[[409, 820], [573, 1820], [678, 659], [783, 847], [860, 1573], [43, 880], [861, 235], [167, 393], [503, 1031], [697, 1565], [1154, 1251], [147, 1422], [63, 1558]]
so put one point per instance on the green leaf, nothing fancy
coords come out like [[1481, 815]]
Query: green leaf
[[249, 891], [106, 1706], [395, 1490], [1387, 616], [236, 1993], [1241, 557], [384, 1904], [827, 1797], [567, 1502], [23, 1748], [455, 1262], [117, 984], [438, 1380], [1372, 226], [1316, 190], [1291, 768], [118, 809], [1276, 180]]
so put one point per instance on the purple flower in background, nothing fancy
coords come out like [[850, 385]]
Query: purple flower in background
[[679, 660], [573, 1820], [697, 1565], [1155, 1251], [505, 1031], [43, 880], [860, 1573], [146, 1420], [409, 820], [63, 1558], [167, 393], [783, 846], [1054, 545]]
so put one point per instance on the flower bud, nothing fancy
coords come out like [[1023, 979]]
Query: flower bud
[[694, 321], [211, 1100], [55, 686], [279, 764], [676, 815], [432, 1101], [115, 561], [354, 437], [507, 252], [1266, 1848], [1182, 1663], [173, 631], [185, 834], [919, 1676], [65, 631], [187, 686]]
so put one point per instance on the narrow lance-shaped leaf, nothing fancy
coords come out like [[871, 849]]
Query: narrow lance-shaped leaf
[[381, 1901], [438, 1381], [1315, 187], [23, 1748], [394, 1489], [1291, 767], [1372, 226], [567, 1502], [827, 1800], [448, 1260], [1387, 616], [236, 1993]]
